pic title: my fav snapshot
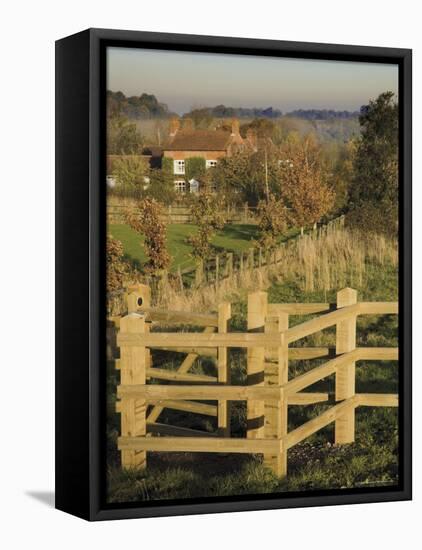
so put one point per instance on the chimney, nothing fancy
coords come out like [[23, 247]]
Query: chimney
[[252, 138], [174, 126], [235, 127], [187, 124]]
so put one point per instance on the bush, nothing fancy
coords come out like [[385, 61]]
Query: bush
[[149, 222], [117, 268]]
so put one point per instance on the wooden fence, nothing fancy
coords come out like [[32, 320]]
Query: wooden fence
[[269, 391], [176, 213], [227, 264]]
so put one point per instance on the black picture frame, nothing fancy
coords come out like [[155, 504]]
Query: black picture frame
[[80, 269]]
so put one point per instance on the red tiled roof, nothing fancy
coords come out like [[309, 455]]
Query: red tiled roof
[[199, 140]]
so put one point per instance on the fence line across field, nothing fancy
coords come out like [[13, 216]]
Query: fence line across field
[[177, 213], [228, 264], [269, 390]]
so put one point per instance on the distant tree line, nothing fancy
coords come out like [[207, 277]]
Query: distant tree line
[[221, 111], [322, 114], [144, 106]]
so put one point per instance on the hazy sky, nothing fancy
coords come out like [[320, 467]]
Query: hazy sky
[[184, 80]]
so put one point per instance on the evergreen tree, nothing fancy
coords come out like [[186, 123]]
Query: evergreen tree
[[374, 190]]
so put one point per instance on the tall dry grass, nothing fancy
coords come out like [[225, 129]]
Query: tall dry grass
[[315, 262]]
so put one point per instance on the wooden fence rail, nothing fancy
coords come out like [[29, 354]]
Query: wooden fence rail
[[269, 391]]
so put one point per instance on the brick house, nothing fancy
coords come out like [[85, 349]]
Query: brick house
[[212, 145], [185, 142]]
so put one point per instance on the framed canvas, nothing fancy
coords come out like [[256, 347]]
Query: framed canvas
[[233, 274]]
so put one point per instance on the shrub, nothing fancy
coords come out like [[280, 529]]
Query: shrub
[[148, 221], [117, 268]]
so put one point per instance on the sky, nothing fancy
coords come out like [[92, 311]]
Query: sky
[[186, 80]]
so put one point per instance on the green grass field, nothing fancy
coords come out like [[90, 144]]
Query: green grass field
[[233, 238]]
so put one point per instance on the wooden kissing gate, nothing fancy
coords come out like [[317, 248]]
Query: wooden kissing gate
[[268, 392]]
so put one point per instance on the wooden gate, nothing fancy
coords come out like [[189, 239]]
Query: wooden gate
[[269, 390]]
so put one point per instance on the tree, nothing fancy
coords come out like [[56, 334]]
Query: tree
[[341, 174], [123, 137], [144, 106], [148, 221], [263, 127], [161, 186], [304, 184], [202, 118], [132, 172], [374, 191], [243, 177], [272, 221], [208, 213]]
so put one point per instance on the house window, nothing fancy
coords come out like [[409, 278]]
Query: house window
[[180, 186], [210, 163], [179, 166]]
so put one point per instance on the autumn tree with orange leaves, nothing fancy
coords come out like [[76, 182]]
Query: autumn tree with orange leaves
[[305, 183], [272, 221]]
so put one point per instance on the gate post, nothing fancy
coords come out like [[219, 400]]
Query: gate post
[[276, 418], [223, 420], [345, 377], [257, 311], [133, 371], [139, 297]]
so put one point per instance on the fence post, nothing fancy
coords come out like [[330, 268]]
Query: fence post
[[224, 314], [199, 273], [241, 262], [140, 297], [276, 374], [132, 371], [251, 259], [257, 311], [217, 270], [260, 257], [229, 264], [345, 377], [179, 276]]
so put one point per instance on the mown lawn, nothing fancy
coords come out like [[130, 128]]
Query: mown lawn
[[314, 464], [233, 238]]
